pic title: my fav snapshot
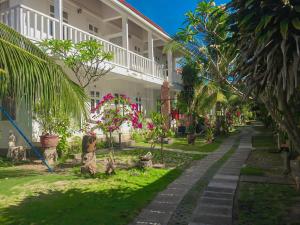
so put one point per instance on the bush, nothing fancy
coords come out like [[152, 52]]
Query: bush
[[75, 145], [138, 137]]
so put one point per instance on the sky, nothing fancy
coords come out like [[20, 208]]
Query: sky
[[168, 14]]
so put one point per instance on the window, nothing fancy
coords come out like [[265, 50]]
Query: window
[[65, 20], [9, 104], [137, 49], [138, 101], [4, 5], [95, 99], [93, 29]]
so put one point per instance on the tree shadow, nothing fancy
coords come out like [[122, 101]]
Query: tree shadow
[[97, 206], [15, 173]]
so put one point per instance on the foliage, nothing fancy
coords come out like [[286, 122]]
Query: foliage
[[75, 145], [138, 136], [265, 43], [29, 75], [157, 131], [190, 79], [63, 130], [86, 59], [114, 111]]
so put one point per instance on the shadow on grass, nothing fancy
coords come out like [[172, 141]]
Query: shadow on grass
[[15, 173], [95, 205]]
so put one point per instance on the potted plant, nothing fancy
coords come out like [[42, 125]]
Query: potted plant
[[49, 124]]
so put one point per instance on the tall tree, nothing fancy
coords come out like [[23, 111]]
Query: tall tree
[[29, 75], [265, 38]]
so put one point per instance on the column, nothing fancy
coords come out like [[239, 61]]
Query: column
[[125, 39], [58, 12], [151, 51], [170, 66]]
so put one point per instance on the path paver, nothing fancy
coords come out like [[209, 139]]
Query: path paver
[[160, 210], [215, 206]]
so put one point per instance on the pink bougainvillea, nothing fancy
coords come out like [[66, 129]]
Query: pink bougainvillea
[[110, 116]]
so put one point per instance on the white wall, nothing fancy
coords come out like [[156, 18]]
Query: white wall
[[23, 120]]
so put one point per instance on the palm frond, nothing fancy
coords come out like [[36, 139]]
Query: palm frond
[[32, 76]]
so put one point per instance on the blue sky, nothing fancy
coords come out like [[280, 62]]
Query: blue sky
[[169, 14]]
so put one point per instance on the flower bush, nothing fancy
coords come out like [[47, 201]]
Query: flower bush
[[114, 111]]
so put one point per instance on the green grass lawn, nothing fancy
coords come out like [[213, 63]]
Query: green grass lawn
[[200, 145], [36, 197], [265, 204]]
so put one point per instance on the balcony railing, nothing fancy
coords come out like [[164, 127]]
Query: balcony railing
[[38, 26]]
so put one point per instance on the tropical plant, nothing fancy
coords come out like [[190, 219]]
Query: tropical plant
[[265, 43], [86, 59], [158, 131], [202, 41], [28, 75]]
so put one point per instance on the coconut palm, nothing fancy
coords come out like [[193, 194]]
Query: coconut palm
[[265, 35], [28, 75]]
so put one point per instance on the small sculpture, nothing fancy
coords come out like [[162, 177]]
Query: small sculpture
[[89, 155], [110, 166], [146, 160], [16, 153]]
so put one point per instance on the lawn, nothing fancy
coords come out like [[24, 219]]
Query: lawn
[[38, 198], [265, 204], [200, 145]]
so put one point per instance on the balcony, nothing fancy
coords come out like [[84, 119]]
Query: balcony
[[38, 26]]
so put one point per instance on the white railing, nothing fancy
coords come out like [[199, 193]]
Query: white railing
[[77, 35], [139, 63], [38, 26]]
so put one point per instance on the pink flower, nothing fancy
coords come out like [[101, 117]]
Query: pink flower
[[134, 107], [150, 126]]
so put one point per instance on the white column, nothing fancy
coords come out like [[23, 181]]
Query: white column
[[151, 50], [125, 38], [58, 11], [170, 66]]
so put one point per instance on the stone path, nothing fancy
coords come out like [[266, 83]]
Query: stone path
[[160, 210], [215, 206]]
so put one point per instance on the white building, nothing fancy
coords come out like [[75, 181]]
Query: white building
[[140, 66]]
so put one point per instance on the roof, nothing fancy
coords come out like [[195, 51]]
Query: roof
[[142, 15]]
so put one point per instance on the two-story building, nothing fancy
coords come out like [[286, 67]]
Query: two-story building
[[139, 64]]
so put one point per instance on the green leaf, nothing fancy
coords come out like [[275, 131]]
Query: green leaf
[[296, 23], [297, 8], [284, 27]]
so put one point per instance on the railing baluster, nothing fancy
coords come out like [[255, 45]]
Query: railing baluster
[[42, 28], [28, 22], [35, 25]]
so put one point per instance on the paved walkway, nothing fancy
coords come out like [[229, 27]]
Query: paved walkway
[[160, 210], [215, 206], [216, 202]]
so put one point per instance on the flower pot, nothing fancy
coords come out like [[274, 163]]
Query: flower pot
[[49, 141]]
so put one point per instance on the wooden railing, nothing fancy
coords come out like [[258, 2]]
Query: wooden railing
[[38, 26]]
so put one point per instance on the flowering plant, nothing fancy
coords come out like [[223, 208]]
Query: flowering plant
[[114, 111]]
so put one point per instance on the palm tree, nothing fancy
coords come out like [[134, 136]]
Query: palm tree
[[29, 76], [265, 37]]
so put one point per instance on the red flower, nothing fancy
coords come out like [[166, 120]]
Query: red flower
[[150, 126]]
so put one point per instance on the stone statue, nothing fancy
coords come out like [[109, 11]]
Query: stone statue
[[89, 155], [16, 153]]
